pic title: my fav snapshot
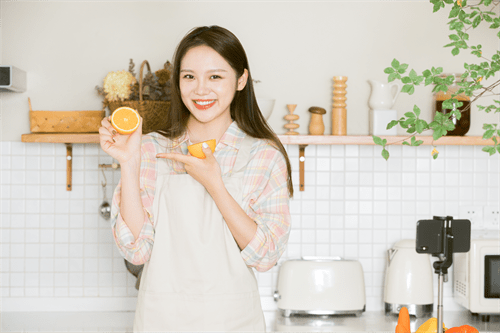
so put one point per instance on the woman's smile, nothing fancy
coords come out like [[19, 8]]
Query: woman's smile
[[204, 104]]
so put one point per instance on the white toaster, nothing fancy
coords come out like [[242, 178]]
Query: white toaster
[[320, 286]]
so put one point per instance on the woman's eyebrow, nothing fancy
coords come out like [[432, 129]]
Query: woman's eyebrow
[[210, 71]]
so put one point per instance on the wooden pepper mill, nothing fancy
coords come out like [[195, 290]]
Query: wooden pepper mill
[[291, 118], [316, 126], [339, 111]]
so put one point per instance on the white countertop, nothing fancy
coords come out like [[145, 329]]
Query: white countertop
[[122, 322]]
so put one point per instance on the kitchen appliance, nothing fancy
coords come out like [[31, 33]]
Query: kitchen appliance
[[476, 277], [408, 280], [320, 286], [12, 79]]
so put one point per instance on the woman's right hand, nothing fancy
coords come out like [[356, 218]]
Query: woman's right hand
[[123, 148]]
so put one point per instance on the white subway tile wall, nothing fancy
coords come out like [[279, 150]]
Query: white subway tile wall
[[355, 205]]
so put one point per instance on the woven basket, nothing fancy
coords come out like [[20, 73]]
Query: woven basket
[[153, 113]]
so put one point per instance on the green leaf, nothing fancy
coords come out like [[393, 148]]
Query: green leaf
[[389, 70], [392, 77], [488, 134], [416, 110], [385, 154], [392, 124], [476, 21], [435, 156], [406, 79], [488, 126], [406, 88], [395, 64], [489, 149], [377, 140], [405, 143], [454, 37], [409, 115], [420, 125], [402, 68], [426, 73], [454, 11]]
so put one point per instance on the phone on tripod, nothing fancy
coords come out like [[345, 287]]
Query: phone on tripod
[[432, 235], [441, 237]]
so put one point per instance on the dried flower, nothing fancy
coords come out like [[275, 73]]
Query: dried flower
[[117, 85], [122, 85]]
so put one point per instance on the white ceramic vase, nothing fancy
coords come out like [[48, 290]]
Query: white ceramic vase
[[266, 106]]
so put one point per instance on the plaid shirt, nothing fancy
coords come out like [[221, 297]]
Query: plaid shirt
[[265, 197]]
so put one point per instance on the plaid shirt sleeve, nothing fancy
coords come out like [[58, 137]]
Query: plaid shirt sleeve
[[267, 201], [138, 251]]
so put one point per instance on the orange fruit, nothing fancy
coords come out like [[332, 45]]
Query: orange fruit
[[196, 151], [125, 120]]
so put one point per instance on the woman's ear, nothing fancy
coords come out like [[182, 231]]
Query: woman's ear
[[242, 81]]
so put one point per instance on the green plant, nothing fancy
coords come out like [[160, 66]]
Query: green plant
[[463, 17]]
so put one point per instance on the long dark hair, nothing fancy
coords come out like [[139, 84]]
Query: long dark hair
[[244, 109]]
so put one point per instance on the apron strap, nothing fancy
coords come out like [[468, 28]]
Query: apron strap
[[243, 156]]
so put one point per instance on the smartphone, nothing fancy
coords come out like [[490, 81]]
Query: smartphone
[[431, 236]]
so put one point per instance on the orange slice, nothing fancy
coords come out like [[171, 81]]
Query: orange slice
[[196, 151], [125, 120]]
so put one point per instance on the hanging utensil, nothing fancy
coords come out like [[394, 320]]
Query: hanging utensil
[[105, 207]]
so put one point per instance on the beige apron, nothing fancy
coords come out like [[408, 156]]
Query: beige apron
[[196, 279]]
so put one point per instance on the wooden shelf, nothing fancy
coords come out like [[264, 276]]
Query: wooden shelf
[[285, 139], [368, 140], [61, 137], [302, 140]]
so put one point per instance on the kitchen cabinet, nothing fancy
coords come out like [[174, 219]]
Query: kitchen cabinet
[[302, 140]]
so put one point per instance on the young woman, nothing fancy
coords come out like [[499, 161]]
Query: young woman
[[201, 225]]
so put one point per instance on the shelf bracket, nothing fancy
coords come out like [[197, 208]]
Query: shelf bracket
[[69, 163], [302, 159]]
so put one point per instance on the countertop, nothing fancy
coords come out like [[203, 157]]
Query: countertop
[[122, 322]]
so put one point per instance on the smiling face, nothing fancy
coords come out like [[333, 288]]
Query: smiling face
[[208, 84]]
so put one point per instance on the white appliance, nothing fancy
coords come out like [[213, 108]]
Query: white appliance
[[408, 280], [12, 79], [320, 286], [476, 277]]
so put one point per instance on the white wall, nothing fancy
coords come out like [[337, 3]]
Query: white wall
[[56, 253], [294, 48]]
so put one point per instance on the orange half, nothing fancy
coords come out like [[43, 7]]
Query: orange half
[[125, 120], [196, 151]]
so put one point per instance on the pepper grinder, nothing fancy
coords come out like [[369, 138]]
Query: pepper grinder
[[291, 118], [316, 126]]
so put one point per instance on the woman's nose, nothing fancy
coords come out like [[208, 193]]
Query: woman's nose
[[202, 87]]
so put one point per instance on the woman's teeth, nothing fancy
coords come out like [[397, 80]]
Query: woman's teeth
[[204, 102], [203, 105]]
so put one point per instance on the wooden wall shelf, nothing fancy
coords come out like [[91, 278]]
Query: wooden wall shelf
[[302, 140], [285, 139], [368, 140], [61, 137]]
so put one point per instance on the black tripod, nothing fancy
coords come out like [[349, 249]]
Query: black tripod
[[441, 237]]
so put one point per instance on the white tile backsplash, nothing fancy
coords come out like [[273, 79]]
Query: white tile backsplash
[[355, 205]]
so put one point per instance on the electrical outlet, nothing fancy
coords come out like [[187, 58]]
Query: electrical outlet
[[474, 214], [491, 217]]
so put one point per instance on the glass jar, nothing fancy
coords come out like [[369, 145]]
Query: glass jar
[[463, 124]]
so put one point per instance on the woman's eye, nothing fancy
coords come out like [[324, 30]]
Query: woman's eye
[[188, 76], [215, 77]]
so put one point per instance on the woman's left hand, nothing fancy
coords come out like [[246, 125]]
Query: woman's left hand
[[206, 171]]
